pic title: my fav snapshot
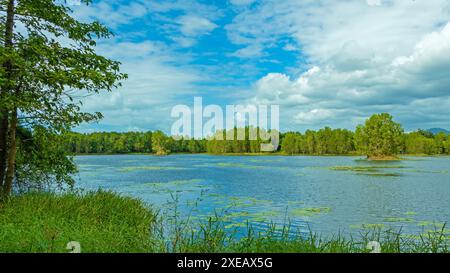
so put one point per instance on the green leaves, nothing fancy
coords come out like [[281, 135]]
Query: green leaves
[[325, 141], [290, 144], [56, 65], [380, 136], [46, 67], [42, 161]]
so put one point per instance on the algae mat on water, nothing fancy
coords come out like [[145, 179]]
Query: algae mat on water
[[151, 168]]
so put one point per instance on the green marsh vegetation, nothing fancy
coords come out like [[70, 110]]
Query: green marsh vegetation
[[308, 211], [371, 170], [379, 169]]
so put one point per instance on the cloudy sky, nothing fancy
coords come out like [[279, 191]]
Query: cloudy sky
[[326, 63]]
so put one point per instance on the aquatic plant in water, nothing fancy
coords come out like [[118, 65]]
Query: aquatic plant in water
[[235, 165], [150, 168], [372, 170], [299, 212], [398, 220]]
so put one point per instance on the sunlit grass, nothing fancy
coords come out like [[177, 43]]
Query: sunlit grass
[[101, 221]]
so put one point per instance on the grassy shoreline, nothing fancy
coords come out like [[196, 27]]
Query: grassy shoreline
[[108, 222]]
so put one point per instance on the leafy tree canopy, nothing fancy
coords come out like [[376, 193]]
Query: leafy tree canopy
[[47, 65], [380, 136]]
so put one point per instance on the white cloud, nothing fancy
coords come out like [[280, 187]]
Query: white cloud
[[395, 88], [155, 84], [193, 19], [323, 28], [111, 14], [374, 2], [251, 51], [192, 25], [290, 47], [364, 59], [361, 57], [429, 53], [159, 75], [312, 116], [242, 2]]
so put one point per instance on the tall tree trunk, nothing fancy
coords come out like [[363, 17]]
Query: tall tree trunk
[[4, 124], [11, 168], [4, 117]]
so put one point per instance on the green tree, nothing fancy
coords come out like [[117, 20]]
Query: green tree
[[45, 65], [415, 143], [380, 137], [310, 140], [447, 145], [194, 146], [42, 160], [290, 144], [160, 143], [439, 140]]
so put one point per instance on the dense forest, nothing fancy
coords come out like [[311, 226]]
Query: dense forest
[[326, 141]]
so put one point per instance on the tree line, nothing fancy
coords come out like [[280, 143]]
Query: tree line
[[325, 141]]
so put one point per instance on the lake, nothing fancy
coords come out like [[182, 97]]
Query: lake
[[325, 194]]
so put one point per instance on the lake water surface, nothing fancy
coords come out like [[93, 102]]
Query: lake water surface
[[326, 194]]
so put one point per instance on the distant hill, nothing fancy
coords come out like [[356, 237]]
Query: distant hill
[[438, 130]]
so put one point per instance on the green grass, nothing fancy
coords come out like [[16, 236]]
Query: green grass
[[210, 237], [108, 222], [102, 221]]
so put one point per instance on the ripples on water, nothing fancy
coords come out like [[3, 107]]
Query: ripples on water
[[324, 194]]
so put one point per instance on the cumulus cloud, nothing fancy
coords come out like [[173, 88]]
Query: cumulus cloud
[[373, 2], [241, 2], [355, 58], [251, 51], [160, 76], [111, 14], [184, 21], [154, 86], [192, 25], [324, 27], [364, 57], [313, 116], [290, 47]]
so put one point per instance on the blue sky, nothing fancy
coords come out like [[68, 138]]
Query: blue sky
[[326, 63]]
